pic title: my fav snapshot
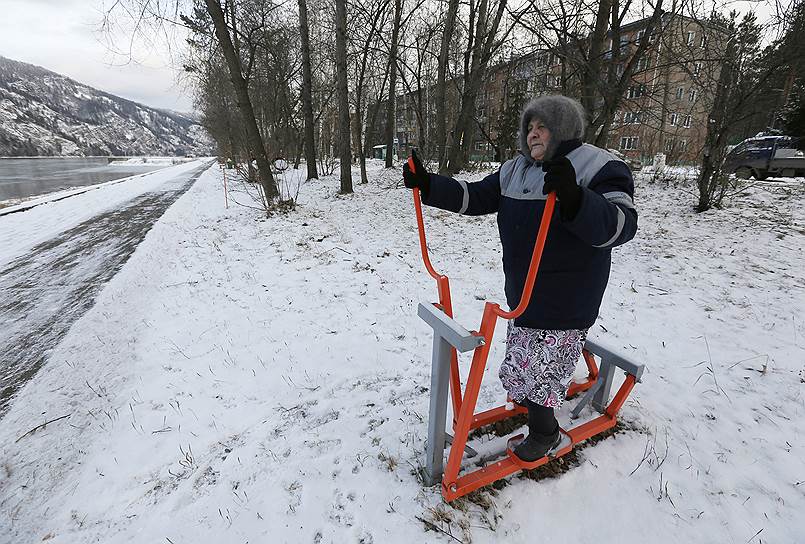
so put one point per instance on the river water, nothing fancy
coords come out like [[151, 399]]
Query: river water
[[24, 178]]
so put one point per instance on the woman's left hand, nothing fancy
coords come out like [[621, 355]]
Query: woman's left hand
[[560, 177]]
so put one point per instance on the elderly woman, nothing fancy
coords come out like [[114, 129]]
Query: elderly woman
[[596, 212]]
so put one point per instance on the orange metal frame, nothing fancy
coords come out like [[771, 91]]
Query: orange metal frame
[[465, 419]]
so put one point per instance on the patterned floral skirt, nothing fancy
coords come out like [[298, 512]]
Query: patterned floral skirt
[[540, 363]]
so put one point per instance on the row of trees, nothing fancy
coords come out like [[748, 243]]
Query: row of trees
[[313, 79]]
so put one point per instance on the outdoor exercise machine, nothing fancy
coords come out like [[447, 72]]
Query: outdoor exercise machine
[[449, 338]]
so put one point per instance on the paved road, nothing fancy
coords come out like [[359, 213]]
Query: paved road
[[43, 292]]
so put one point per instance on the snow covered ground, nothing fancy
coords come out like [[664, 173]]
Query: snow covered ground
[[245, 379]]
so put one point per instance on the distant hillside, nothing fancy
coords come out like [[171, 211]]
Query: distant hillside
[[44, 113]]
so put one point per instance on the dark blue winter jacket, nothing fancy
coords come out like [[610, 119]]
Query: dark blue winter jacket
[[574, 269]]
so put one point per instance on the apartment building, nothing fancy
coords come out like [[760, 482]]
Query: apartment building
[[665, 109], [508, 86]]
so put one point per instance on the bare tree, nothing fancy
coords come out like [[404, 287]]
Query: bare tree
[[390, 103], [418, 70], [482, 43], [737, 77], [371, 15], [307, 93], [244, 102], [597, 64], [154, 15], [612, 89], [441, 83], [345, 152]]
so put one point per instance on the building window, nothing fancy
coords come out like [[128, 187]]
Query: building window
[[644, 63], [619, 69], [690, 38], [636, 91], [632, 117], [697, 68], [480, 146], [692, 95], [629, 142], [640, 34], [673, 119], [669, 145], [687, 121], [703, 41], [683, 145], [680, 92]]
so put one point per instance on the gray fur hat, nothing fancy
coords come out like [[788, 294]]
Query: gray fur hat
[[563, 116]]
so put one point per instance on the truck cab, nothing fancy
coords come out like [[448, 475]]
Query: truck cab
[[765, 156]]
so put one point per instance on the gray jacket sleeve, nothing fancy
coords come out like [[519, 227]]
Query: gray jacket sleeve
[[607, 216], [476, 198]]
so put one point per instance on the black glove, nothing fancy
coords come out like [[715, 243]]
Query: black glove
[[419, 177], [560, 176]]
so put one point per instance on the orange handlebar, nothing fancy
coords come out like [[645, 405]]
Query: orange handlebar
[[422, 243], [536, 256], [421, 227]]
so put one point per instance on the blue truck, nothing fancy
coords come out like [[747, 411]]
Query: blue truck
[[764, 156]]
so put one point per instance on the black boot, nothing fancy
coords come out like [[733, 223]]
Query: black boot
[[543, 433]]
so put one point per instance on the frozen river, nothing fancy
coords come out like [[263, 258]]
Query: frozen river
[[24, 178]]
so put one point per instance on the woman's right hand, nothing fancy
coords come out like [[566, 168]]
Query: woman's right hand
[[419, 177]]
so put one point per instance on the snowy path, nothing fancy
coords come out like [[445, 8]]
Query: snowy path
[[45, 290]]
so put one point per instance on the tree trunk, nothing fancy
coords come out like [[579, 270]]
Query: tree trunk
[[374, 110], [345, 152], [356, 137], [464, 130], [441, 85], [362, 133], [713, 156], [613, 93], [254, 138], [307, 94], [592, 68], [390, 120], [482, 46]]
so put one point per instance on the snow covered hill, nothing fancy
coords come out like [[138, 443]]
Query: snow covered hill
[[44, 113], [253, 379]]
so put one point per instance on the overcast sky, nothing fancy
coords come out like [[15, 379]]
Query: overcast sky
[[63, 36]]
